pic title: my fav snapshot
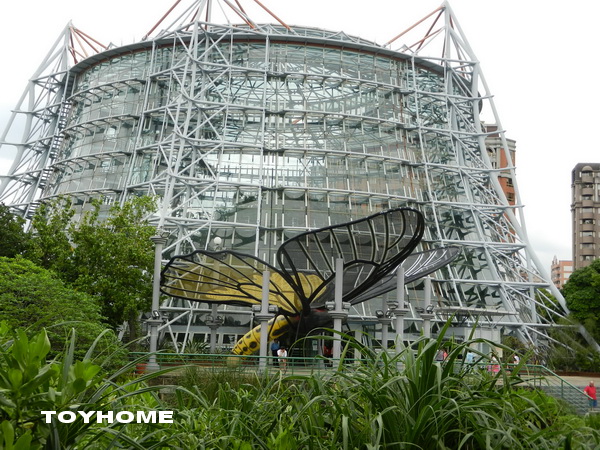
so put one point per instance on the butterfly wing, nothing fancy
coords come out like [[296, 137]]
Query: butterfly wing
[[227, 277], [371, 248], [415, 266]]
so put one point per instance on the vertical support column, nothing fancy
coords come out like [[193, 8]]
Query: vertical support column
[[338, 298], [156, 320], [263, 317], [427, 315], [358, 335], [214, 321], [338, 309], [400, 311], [385, 320]]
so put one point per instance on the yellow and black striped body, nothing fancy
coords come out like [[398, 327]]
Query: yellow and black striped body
[[250, 342]]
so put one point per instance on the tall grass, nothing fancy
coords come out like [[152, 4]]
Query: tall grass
[[401, 399], [390, 400]]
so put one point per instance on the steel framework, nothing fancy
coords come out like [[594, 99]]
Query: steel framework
[[256, 133]]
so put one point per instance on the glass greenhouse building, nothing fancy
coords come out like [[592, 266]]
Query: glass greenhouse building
[[254, 134]]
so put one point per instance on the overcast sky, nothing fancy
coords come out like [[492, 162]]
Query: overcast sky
[[538, 58]]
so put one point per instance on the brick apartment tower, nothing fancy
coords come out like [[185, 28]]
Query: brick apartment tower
[[493, 144], [585, 213], [560, 272]]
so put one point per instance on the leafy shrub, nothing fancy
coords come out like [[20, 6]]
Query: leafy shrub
[[29, 384], [382, 400], [33, 298]]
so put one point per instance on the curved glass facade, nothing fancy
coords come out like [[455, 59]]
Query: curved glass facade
[[271, 138], [254, 136]]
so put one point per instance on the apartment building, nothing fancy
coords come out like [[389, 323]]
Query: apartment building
[[585, 213]]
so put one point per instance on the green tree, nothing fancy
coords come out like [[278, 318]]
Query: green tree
[[107, 254], [582, 292], [546, 305], [15, 239], [34, 298], [50, 246], [582, 295], [113, 260]]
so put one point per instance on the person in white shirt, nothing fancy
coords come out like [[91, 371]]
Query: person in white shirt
[[282, 354]]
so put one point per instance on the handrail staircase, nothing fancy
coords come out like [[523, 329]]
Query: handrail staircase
[[542, 378]]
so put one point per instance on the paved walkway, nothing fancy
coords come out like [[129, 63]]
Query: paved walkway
[[581, 381]]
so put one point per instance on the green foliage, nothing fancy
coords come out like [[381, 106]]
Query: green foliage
[[34, 298], [106, 254], [29, 384], [15, 240], [426, 404], [570, 351], [592, 421], [50, 246], [582, 293], [546, 305], [207, 381], [385, 400], [114, 260], [23, 374]]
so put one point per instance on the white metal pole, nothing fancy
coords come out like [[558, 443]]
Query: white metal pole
[[213, 324], [155, 320], [264, 317], [400, 310], [385, 321], [427, 316], [337, 313]]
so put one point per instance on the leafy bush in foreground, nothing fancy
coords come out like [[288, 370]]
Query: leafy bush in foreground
[[387, 400], [30, 384], [404, 400], [34, 298]]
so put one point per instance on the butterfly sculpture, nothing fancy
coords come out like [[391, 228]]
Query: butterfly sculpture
[[372, 248]]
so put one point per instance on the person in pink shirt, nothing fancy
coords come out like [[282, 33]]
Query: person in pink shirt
[[590, 390]]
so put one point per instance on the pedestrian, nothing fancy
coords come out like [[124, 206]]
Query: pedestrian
[[274, 348], [590, 390], [494, 365], [470, 358], [328, 354], [282, 354], [439, 356]]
